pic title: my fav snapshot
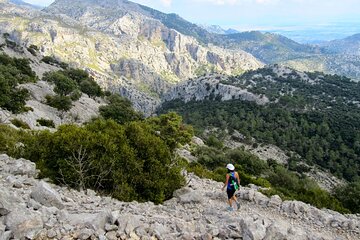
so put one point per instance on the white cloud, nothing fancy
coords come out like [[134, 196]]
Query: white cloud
[[166, 3]]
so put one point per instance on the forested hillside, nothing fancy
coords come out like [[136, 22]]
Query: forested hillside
[[313, 116]]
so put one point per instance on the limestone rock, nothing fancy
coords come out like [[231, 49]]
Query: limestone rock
[[197, 141], [23, 223], [17, 166], [275, 201], [197, 211], [190, 197], [46, 195]]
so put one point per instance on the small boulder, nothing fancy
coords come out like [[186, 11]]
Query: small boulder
[[275, 201], [190, 197], [46, 195], [85, 234], [24, 223], [18, 166]]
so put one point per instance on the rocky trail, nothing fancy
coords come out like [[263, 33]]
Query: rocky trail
[[33, 209]]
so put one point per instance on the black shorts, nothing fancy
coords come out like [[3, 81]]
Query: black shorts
[[230, 192]]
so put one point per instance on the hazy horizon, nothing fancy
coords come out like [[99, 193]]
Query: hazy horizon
[[301, 20]]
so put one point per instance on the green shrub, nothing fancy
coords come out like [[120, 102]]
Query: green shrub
[[75, 95], [10, 44], [249, 162], [213, 141], [33, 50], [64, 86], [202, 172], [14, 71], [91, 88], [303, 189], [49, 60], [130, 162], [53, 61], [171, 129], [46, 122], [78, 75], [61, 103], [119, 109], [10, 139], [19, 123], [70, 80], [349, 196]]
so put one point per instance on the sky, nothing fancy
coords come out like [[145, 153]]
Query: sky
[[267, 15]]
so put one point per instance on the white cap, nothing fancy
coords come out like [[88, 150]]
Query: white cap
[[230, 167]]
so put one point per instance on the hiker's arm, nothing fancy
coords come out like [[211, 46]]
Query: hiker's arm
[[238, 178], [226, 182]]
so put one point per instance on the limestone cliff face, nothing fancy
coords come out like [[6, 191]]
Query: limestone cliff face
[[104, 35], [120, 45], [210, 87]]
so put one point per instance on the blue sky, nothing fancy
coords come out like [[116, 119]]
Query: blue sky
[[258, 14]]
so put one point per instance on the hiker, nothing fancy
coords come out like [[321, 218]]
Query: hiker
[[233, 184]]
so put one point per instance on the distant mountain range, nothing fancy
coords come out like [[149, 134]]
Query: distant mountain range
[[218, 30], [169, 48]]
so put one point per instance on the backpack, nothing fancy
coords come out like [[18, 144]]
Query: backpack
[[233, 182]]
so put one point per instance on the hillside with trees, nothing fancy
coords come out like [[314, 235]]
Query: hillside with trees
[[313, 116]]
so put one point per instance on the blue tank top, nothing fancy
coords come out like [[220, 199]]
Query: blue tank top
[[232, 178]]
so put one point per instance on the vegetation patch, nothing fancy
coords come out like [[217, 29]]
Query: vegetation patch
[[275, 179], [19, 123], [69, 86], [53, 61], [46, 122], [33, 49], [14, 71]]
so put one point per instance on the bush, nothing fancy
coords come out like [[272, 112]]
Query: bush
[[213, 141], [61, 103], [129, 162], [91, 88], [53, 61], [19, 123], [304, 190], [10, 139], [10, 44], [75, 95], [33, 50], [46, 123], [210, 157], [64, 86], [78, 75], [14, 71], [70, 80], [119, 109], [249, 162], [349, 196]]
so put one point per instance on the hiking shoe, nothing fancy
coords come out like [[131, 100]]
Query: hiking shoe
[[230, 209], [238, 205]]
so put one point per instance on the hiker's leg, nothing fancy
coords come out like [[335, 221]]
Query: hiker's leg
[[230, 202], [231, 195]]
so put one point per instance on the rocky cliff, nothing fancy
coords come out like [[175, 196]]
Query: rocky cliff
[[34, 209], [210, 87], [127, 50]]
